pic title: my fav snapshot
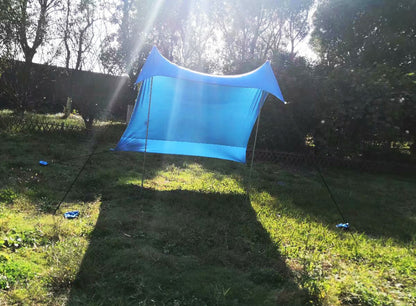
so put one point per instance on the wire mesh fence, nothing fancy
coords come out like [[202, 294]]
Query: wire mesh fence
[[286, 159], [15, 124]]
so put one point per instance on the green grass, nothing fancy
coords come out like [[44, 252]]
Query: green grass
[[192, 236], [73, 119]]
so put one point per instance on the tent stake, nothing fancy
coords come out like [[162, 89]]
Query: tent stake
[[147, 132]]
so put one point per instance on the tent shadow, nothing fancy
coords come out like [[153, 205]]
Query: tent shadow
[[181, 248]]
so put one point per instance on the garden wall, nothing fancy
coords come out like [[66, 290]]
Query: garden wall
[[50, 86]]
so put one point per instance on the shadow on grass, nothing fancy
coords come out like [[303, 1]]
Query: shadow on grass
[[65, 153], [181, 248], [376, 205]]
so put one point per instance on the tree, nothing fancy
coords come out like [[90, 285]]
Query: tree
[[286, 127], [256, 31], [6, 29], [181, 30], [95, 97], [185, 33], [361, 33], [251, 32], [120, 54], [7, 51], [367, 52], [23, 30], [78, 33], [77, 28], [297, 22], [217, 36]]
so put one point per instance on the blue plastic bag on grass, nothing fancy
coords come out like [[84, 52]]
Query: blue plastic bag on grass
[[343, 226], [71, 214]]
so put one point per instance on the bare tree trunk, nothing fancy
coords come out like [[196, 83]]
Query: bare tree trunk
[[30, 51], [66, 34]]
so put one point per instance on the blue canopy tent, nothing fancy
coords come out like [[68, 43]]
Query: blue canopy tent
[[179, 111]]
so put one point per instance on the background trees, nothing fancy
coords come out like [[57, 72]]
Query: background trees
[[367, 56], [356, 100], [24, 27]]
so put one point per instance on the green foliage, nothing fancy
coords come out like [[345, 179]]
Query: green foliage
[[367, 101], [99, 96], [351, 33], [284, 127], [12, 272], [7, 196], [8, 16], [28, 238]]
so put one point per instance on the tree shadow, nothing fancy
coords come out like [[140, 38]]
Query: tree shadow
[[179, 247], [377, 205]]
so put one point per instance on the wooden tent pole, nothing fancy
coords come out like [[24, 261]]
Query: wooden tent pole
[[147, 132]]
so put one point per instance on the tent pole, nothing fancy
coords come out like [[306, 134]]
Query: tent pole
[[252, 155], [147, 132]]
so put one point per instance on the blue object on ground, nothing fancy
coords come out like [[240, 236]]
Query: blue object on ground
[[71, 214], [344, 226], [43, 163]]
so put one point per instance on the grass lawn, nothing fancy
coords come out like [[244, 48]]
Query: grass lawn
[[192, 236], [73, 119]]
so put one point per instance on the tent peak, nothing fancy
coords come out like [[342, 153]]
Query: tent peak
[[263, 77], [156, 51]]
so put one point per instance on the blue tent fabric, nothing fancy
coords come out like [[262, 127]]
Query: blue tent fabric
[[192, 113]]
